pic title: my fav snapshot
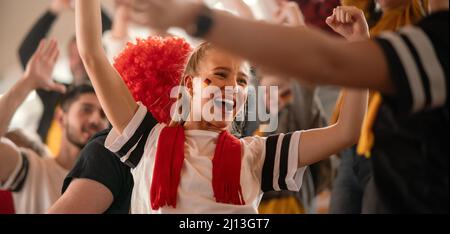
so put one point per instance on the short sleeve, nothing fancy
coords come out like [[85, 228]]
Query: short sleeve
[[276, 159], [19, 175], [99, 164], [417, 69], [129, 146]]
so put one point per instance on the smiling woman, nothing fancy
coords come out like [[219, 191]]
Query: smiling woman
[[198, 166]]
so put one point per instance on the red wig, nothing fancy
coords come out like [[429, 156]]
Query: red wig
[[151, 68]]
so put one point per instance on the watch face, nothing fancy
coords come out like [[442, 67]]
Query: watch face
[[202, 25]]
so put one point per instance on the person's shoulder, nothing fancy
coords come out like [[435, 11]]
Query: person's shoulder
[[99, 137], [254, 144], [435, 26], [95, 148], [437, 17]]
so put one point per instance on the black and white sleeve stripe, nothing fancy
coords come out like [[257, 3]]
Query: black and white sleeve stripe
[[19, 175], [416, 70], [280, 170], [130, 146]]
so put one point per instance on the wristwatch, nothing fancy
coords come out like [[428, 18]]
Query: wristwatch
[[203, 24]]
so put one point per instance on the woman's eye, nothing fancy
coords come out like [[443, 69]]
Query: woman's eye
[[222, 75], [242, 81]]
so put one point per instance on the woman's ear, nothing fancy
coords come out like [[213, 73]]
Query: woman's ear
[[188, 83]]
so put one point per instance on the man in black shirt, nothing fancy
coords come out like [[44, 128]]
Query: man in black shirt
[[97, 169], [99, 182]]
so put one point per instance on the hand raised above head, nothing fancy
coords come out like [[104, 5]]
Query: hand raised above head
[[59, 6], [349, 22], [40, 67], [163, 14]]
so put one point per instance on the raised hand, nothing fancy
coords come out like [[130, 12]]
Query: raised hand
[[290, 14], [122, 16], [349, 22], [40, 67], [162, 14], [59, 6]]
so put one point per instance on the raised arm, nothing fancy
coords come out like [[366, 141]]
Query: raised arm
[[290, 14], [319, 144], [37, 75], [40, 30], [114, 96], [83, 196], [299, 52]]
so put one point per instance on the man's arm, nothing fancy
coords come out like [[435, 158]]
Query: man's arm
[[37, 75], [38, 32], [83, 196], [9, 158], [43, 26], [309, 54]]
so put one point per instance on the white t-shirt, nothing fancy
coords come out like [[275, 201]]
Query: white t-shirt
[[39, 181], [268, 164]]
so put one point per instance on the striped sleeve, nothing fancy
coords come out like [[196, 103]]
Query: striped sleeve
[[418, 70], [18, 177], [130, 145], [280, 169]]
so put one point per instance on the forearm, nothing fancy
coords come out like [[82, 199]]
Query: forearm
[[119, 28], [10, 102], [111, 90], [38, 32], [319, 144], [83, 196], [305, 53], [88, 28], [352, 114]]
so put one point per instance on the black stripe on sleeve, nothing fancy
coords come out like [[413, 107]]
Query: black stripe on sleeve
[[146, 125], [269, 162], [284, 159], [21, 177], [137, 154]]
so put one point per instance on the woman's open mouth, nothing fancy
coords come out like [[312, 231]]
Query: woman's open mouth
[[228, 104]]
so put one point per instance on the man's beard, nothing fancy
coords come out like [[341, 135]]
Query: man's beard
[[71, 137]]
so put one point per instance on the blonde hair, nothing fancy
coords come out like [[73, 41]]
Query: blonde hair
[[192, 69]]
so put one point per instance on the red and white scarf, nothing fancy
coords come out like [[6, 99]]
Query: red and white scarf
[[169, 161]]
